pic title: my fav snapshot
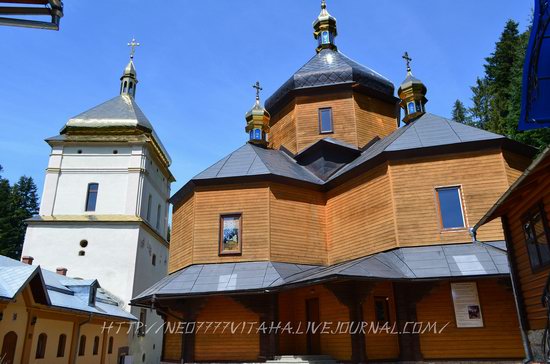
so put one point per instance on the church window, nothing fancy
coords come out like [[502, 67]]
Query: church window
[[82, 346], [450, 207], [41, 346], [537, 237], [83, 243], [91, 198], [158, 216], [81, 253], [110, 346], [96, 345], [148, 213], [230, 234], [411, 107], [142, 322], [61, 345], [325, 120], [154, 259], [125, 87]]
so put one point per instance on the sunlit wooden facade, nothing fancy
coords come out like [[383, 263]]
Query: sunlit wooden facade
[[357, 219]]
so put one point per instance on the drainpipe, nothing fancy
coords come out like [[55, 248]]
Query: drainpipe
[[77, 338], [515, 287]]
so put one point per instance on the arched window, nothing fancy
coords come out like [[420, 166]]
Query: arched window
[[91, 196], [8, 347], [61, 345], [158, 216], [96, 345], [154, 259], [82, 345], [41, 346], [125, 87], [110, 347], [130, 89]]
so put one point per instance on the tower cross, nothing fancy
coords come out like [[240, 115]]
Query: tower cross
[[258, 89], [133, 44], [408, 60]]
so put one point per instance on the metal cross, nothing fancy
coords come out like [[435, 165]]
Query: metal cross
[[258, 89], [133, 44], [323, 4], [408, 60]]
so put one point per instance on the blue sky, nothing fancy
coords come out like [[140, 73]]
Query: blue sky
[[198, 60]]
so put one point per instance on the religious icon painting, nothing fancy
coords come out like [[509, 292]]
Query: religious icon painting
[[230, 234]]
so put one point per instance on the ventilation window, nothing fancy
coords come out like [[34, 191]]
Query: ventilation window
[[81, 253], [154, 260], [83, 243], [79, 151], [115, 151]]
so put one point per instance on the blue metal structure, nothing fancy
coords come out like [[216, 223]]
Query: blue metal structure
[[535, 99]]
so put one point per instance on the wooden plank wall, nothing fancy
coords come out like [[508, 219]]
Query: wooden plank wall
[[532, 283], [283, 128], [381, 345], [360, 219], [515, 165], [373, 118], [181, 245], [307, 118], [483, 180], [297, 225], [237, 346], [499, 338], [171, 350]]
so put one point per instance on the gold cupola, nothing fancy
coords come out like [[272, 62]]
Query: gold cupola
[[128, 81], [325, 29], [257, 121], [412, 93]]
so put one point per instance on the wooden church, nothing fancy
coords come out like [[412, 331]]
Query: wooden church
[[346, 231]]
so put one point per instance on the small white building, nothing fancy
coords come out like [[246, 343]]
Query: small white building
[[104, 208]]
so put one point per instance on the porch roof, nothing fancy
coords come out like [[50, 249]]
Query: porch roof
[[423, 262]]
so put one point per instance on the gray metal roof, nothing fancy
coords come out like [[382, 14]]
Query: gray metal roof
[[429, 130], [204, 278], [121, 110], [330, 67], [252, 160], [60, 289], [426, 262]]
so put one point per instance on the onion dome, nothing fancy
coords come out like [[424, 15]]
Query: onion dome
[[257, 120], [412, 93], [325, 29]]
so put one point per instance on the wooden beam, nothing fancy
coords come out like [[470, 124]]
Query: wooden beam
[[407, 295], [352, 294]]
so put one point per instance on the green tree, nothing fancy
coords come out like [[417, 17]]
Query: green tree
[[496, 99], [24, 201], [460, 113], [6, 212]]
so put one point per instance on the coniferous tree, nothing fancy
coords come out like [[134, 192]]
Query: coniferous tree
[[24, 201], [496, 99], [460, 113], [5, 216]]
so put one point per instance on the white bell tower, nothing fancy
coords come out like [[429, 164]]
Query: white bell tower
[[104, 209]]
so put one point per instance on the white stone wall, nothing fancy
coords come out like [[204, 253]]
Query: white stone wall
[[119, 255]]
